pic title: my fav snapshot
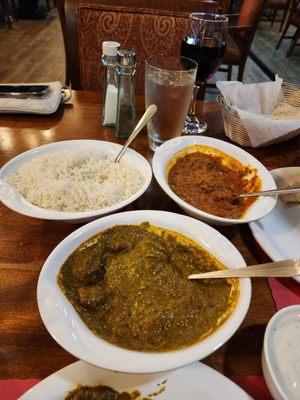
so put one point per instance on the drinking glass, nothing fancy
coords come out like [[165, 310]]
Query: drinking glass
[[169, 84], [204, 42]]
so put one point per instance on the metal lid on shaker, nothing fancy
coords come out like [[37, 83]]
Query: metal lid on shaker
[[110, 48], [126, 58]]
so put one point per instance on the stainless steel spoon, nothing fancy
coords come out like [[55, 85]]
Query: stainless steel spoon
[[286, 268], [151, 110], [289, 190]]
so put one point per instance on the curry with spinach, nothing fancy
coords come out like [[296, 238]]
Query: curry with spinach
[[99, 392], [130, 286]]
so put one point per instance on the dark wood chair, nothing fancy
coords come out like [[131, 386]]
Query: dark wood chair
[[8, 11], [223, 6], [235, 6], [48, 4], [157, 28], [277, 5], [294, 20], [240, 36]]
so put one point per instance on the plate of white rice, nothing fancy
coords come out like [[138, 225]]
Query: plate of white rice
[[74, 180]]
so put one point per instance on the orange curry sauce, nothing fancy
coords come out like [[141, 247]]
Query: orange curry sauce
[[211, 180]]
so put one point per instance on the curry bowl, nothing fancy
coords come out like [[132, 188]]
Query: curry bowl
[[68, 329], [14, 200], [170, 150]]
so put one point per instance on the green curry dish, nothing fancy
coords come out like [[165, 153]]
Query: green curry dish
[[97, 393], [130, 286]]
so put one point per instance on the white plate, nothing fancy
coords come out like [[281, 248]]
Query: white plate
[[279, 232], [194, 382], [165, 152], [66, 327], [15, 201]]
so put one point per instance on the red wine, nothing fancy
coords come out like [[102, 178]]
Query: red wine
[[208, 54]]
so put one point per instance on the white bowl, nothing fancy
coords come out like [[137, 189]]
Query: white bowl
[[15, 201], [261, 207], [66, 327], [281, 359]]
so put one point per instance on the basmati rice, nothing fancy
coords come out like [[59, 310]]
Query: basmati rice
[[76, 180]]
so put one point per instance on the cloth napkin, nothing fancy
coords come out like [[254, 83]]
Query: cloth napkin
[[255, 103], [47, 105]]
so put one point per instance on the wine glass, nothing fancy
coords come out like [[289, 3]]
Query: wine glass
[[205, 43]]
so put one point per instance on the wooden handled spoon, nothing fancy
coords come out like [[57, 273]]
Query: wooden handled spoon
[[282, 269]]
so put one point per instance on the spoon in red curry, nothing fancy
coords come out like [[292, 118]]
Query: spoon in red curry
[[282, 269], [289, 190]]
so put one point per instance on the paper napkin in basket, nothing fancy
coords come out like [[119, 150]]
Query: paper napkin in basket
[[46, 105], [255, 103]]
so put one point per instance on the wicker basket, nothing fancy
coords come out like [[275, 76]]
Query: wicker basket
[[235, 129]]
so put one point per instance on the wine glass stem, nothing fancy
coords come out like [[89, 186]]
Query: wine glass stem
[[192, 125], [192, 109]]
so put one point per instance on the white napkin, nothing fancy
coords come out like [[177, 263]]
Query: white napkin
[[255, 104], [46, 105]]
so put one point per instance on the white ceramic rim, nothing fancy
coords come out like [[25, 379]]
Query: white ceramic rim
[[266, 354], [37, 212], [205, 140], [142, 362]]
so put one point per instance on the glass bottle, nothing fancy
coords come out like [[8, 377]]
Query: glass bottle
[[110, 87], [126, 67]]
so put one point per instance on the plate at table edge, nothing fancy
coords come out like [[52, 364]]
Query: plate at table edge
[[257, 226], [70, 332], [16, 202], [183, 383]]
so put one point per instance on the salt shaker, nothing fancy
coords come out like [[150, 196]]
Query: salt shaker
[[126, 67], [110, 88]]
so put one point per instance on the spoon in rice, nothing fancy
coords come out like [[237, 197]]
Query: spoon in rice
[[151, 110]]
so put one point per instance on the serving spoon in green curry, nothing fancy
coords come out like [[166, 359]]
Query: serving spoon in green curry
[[281, 269]]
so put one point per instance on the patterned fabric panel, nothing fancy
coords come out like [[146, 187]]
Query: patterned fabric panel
[[145, 32]]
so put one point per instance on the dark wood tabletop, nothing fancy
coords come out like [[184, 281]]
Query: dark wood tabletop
[[26, 348]]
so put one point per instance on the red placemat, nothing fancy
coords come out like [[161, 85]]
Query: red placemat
[[285, 292], [255, 386], [12, 389]]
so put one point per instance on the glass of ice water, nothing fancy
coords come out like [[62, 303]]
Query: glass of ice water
[[169, 84]]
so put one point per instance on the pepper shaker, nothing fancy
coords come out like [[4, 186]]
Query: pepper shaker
[[126, 66], [110, 87]]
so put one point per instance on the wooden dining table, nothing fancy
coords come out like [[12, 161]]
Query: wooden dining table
[[26, 348]]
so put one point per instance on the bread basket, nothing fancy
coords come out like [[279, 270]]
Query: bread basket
[[234, 127]]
